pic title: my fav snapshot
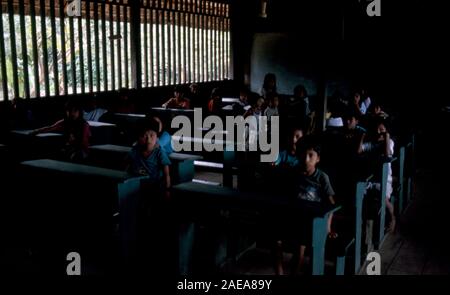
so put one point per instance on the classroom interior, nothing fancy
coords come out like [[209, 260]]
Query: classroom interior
[[122, 62]]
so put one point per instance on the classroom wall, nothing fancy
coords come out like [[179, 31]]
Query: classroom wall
[[280, 54]]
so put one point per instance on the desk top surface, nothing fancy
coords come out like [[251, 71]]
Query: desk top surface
[[111, 148], [130, 115], [100, 124], [67, 167], [28, 133], [203, 192], [126, 149], [172, 110]]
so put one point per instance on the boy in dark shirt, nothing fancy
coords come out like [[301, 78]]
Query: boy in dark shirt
[[310, 185]]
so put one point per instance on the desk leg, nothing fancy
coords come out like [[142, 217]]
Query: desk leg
[[318, 245]]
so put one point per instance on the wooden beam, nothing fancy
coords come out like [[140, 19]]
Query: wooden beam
[[3, 60], [54, 47], [135, 44], [26, 82]]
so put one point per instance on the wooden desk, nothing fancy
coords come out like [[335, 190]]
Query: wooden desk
[[73, 205], [113, 156], [199, 201]]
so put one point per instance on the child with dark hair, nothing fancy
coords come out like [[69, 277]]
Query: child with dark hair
[[75, 130], [178, 101], [352, 131], [124, 102], [272, 109], [376, 111], [380, 144], [288, 157], [311, 185], [164, 138], [194, 95], [215, 102], [269, 85], [147, 158], [360, 102], [91, 110], [241, 106], [257, 106], [300, 108]]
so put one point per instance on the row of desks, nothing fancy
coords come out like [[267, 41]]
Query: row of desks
[[80, 202], [195, 201]]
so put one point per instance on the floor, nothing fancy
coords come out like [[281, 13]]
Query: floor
[[419, 246]]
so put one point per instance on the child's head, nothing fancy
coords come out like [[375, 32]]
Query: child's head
[[270, 81], [308, 153], [259, 103], [300, 91], [376, 108], [147, 132], [351, 121], [380, 130], [178, 92], [357, 97], [215, 94], [73, 110], [243, 94], [295, 135], [273, 100], [91, 103], [193, 88]]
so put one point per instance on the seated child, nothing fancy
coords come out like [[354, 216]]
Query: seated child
[[311, 185], [256, 108], [147, 158], [381, 144], [76, 133], [215, 102], [92, 112], [240, 107], [272, 109], [288, 157], [178, 101]]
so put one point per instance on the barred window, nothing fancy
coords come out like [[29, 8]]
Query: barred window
[[184, 41], [46, 52]]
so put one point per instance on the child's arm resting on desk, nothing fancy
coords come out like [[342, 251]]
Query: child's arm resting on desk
[[58, 126]]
